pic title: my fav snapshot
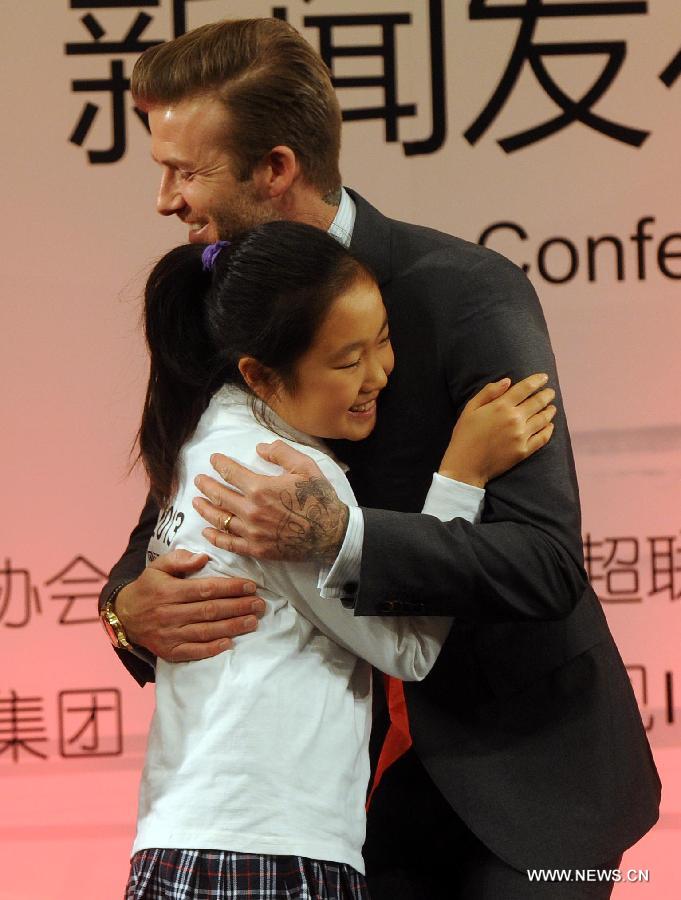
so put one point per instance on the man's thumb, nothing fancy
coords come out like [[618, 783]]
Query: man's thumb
[[180, 562], [291, 460]]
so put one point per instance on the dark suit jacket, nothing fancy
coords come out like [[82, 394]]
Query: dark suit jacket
[[527, 724]]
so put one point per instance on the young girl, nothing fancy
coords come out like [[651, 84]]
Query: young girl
[[257, 763]]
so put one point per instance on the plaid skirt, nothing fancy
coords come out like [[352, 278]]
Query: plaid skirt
[[223, 875]]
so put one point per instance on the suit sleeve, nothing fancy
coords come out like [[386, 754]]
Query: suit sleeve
[[127, 569], [524, 560]]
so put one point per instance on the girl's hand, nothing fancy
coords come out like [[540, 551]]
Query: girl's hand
[[499, 427]]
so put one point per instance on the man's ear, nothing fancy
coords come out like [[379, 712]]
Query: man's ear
[[274, 175], [259, 378]]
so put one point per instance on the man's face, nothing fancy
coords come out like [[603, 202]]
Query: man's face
[[199, 184]]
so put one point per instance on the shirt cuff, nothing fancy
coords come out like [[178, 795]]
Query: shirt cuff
[[448, 499], [342, 578]]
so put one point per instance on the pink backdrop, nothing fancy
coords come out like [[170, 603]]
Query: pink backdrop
[[79, 235]]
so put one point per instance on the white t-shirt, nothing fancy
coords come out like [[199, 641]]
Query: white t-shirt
[[264, 748]]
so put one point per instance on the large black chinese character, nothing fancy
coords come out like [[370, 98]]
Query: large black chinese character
[[617, 568], [18, 725], [671, 72], [79, 580], [130, 43], [90, 723], [178, 13], [525, 50], [18, 594], [664, 569], [386, 51], [116, 85]]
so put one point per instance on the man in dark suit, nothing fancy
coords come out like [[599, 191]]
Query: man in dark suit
[[528, 751]]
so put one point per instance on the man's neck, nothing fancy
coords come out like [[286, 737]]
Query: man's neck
[[333, 198], [306, 205]]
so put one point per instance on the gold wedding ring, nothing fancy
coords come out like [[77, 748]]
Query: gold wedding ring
[[225, 524]]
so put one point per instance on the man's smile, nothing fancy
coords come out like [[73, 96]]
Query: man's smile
[[197, 232]]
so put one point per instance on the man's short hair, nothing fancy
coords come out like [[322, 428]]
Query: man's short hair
[[274, 85]]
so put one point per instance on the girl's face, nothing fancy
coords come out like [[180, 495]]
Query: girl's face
[[339, 378]]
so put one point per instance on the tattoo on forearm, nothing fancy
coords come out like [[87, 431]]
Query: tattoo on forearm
[[315, 522]]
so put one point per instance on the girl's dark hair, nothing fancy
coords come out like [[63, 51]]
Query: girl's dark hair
[[266, 297]]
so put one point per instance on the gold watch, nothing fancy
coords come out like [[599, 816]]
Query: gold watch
[[112, 624]]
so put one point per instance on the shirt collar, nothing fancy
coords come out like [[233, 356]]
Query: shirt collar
[[344, 221]]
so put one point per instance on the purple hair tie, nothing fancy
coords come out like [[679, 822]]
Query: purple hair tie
[[210, 254]]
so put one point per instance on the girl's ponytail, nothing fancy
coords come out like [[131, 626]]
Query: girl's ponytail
[[183, 366]]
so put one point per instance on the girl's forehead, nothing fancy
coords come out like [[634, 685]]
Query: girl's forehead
[[356, 317]]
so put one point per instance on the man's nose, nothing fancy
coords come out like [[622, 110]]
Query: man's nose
[[169, 200]]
